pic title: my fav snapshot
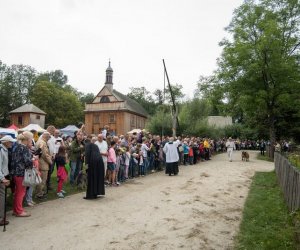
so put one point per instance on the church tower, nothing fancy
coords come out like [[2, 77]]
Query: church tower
[[109, 77]]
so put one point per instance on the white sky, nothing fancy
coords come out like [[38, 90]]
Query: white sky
[[79, 37]]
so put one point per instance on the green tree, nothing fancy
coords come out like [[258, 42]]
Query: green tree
[[62, 107], [16, 83], [144, 98], [56, 76], [259, 66], [161, 122]]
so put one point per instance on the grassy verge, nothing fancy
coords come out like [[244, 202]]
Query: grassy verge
[[267, 223], [51, 194], [264, 157]]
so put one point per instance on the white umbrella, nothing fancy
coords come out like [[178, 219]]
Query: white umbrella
[[136, 130]]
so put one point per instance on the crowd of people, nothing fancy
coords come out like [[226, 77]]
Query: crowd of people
[[105, 159]]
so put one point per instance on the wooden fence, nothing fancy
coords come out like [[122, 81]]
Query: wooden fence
[[289, 181]]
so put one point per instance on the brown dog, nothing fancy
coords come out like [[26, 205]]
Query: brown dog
[[245, 156]]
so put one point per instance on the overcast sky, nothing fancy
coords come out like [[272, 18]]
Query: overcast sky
[[80, 36]]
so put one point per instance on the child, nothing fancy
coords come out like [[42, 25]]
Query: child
[[191, 154], [62, 174], [127, 160], [185, 152], [118, 165], [111, 163], [141, 164], [122, 165]]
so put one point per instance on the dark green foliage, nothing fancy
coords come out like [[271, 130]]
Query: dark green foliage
[[62, 107], [16, 83]]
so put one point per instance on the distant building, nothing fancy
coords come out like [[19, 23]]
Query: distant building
[[27, 114], [114, 109], [219, 121]]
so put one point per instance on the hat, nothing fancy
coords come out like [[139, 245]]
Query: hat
[[8, 138], [230, 138]]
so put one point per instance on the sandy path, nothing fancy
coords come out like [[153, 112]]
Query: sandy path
[[200, 208]]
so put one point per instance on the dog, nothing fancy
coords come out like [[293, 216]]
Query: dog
[[245, 156], [81, 180]]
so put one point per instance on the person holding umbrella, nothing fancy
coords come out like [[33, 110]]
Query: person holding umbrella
[[6, 143]]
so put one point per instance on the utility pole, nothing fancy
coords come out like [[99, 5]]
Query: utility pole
[[174, 110]]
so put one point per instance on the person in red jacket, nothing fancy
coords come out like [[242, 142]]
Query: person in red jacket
[[191, 154]]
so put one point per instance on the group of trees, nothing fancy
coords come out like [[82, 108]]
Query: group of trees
[[21, 84], [257, 81], [258, 75]]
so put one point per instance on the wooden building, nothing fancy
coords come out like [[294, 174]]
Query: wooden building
[[114, 109], [27, 114]]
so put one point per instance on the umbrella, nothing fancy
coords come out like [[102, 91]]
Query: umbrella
[[13, 126]]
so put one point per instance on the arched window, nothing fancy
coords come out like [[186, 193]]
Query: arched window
[[104, 99]]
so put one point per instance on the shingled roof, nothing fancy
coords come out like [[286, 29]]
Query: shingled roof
[[28, 108], [131, 104]]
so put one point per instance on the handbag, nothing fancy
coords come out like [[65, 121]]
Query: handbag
[[31, 178]]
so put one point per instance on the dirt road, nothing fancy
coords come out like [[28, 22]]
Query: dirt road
[[201, 208]]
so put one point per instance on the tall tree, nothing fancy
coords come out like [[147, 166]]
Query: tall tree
[[62, 107], [259, 66], [56, 76], [16, 83], [144, 98]]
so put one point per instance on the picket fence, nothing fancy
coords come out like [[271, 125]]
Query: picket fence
[[289, 181]]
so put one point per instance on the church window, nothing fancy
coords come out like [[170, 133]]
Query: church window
[[112, 118], [20, 120], [132, 123], [96, 118], [104, 99]]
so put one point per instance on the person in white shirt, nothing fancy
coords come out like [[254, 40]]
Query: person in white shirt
[[51, 145], [172, 157], [103, 149], [144, 150], [104, 132], [230, 145]]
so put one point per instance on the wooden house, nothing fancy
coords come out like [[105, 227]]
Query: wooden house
[[27, 114], [114, 109]]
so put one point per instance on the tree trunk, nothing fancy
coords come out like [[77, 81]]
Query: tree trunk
[[272, 133]]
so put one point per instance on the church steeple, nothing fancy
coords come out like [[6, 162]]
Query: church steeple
[[109, 77]]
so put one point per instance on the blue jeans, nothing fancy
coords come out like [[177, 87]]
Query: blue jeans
[[151, 161], [145, 165], [76, 166], [28, 196], [142, 169]]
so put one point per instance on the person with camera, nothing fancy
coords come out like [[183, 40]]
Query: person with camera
[[6, 143], [76, 156]]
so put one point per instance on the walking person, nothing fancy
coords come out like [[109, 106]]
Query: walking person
[[6, 143], [230, 145], [172, 157]]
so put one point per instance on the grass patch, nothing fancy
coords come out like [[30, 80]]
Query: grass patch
[[51, 194], [294, 159], [267, 223], [264, 158]]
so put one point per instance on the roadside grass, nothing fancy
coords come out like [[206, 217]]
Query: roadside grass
[[264, 158], [52, 195], [266, 223]]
